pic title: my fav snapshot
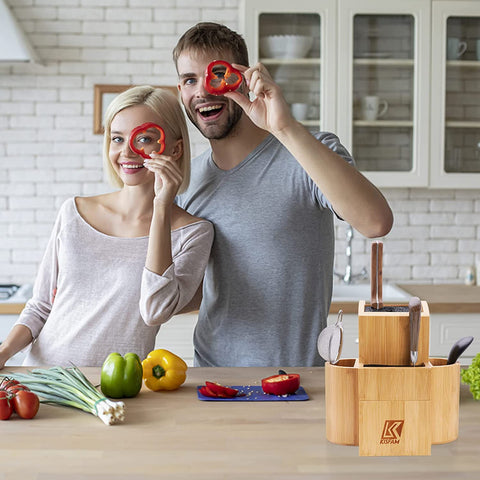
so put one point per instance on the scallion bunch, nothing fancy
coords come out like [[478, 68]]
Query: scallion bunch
[[70, 387]]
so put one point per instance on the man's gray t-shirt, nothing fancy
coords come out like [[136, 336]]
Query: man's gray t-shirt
[[268, 284]]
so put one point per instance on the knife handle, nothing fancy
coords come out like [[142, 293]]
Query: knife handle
[[376, 273]]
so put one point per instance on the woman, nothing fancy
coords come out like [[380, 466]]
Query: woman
[[119, 264]]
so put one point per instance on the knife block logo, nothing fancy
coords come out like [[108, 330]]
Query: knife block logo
[[392, 431]]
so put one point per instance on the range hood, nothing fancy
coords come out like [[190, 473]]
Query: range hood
[[14, 44]]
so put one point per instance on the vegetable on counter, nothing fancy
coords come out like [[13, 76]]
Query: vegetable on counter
[[163, 370], [282, 384], [69, 387], [15, 397], [471, 376], [215, 390], [121, 376]]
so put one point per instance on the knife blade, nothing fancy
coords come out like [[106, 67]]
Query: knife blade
[[414, 310], [376, 300]]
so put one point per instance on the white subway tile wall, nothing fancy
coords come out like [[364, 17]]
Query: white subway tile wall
[[48, 151]]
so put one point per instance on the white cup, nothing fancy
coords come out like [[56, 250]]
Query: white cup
[[478, 50], [300, 111], [373, 107], [455, 48]]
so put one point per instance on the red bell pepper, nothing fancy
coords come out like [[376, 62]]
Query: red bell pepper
[[281, 384], [143, 129], [221, 390], [221, 78], [215, 390]]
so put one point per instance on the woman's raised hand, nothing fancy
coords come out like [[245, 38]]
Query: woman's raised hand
[[168, 177]]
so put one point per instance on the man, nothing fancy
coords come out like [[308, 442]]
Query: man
[[270, 188]]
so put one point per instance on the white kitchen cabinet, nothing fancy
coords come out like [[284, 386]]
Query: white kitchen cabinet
[[455, 94], [428, 134], [383, 52], [6, 323], [309, 77], [177, 336]]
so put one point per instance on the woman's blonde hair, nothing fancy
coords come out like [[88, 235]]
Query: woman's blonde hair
[[163, 103]]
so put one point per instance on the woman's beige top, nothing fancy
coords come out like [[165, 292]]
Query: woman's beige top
[[93, 294]]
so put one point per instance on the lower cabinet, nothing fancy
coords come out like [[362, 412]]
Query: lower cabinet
[[6, 323], [177, 336]]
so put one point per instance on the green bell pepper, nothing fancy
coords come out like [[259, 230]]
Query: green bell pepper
[[121, 376]]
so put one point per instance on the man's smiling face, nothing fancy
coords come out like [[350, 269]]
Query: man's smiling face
[[215, 116]]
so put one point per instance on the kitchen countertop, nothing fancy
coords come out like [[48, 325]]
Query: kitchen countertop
[[174, 435], [454, 298]]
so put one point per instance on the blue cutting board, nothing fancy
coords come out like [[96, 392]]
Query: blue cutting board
[[254, 393]]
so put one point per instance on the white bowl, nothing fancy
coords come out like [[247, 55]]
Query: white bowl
[[285, 46]]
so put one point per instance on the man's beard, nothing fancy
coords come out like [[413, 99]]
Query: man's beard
[[216, 132]]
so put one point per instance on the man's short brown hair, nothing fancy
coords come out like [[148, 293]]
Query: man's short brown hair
[[210, 37]]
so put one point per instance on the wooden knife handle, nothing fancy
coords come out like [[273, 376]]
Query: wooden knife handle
[[376, 274]]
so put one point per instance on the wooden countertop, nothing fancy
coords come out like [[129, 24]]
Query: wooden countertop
[[455, 298], [11, 308], [173, 435]]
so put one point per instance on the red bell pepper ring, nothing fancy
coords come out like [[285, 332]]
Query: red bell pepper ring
[[221, 390], [221, 80], [143, 129], [281, 384]]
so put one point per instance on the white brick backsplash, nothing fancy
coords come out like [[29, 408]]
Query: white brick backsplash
[[31, 203], [454, 231], [431, 245], [81, 13], [17, 189], [26, 256], [49, 153], [78, 175]]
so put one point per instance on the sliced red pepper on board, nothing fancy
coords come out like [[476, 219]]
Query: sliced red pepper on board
[[221, 78], [221, 390], [206, 392], [144, 129], [281, 384]]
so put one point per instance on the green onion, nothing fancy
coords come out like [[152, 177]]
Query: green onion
[[70, 387]]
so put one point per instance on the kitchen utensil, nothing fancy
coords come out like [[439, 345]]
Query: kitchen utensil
[[376, 275], [330, 341], [414, 311], [458, 348]]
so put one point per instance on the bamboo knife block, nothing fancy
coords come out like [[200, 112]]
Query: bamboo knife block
[[392, 411], [383, 404], [384, 337]]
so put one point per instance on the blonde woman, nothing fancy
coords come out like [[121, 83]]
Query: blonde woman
[[118, 265]]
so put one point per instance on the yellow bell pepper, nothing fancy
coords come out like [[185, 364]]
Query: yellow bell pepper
[[163, 370]]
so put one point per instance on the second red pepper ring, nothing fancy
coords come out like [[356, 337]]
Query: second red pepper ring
[[221, 78], [158, 137]]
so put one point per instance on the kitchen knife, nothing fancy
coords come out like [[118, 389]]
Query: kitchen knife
[[414, 310], [458, 348], [376, 276]]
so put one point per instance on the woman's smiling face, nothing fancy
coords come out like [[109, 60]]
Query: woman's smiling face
[[127, 163]]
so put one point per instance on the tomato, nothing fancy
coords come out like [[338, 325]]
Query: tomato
[[6, 406], [26, 403], [8, 382], [13, 389]]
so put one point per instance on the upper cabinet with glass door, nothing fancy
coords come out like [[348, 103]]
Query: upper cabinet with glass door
[[383, 85], [455, 126], [296, 43]]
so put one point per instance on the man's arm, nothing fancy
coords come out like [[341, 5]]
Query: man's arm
[[353, 197]]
